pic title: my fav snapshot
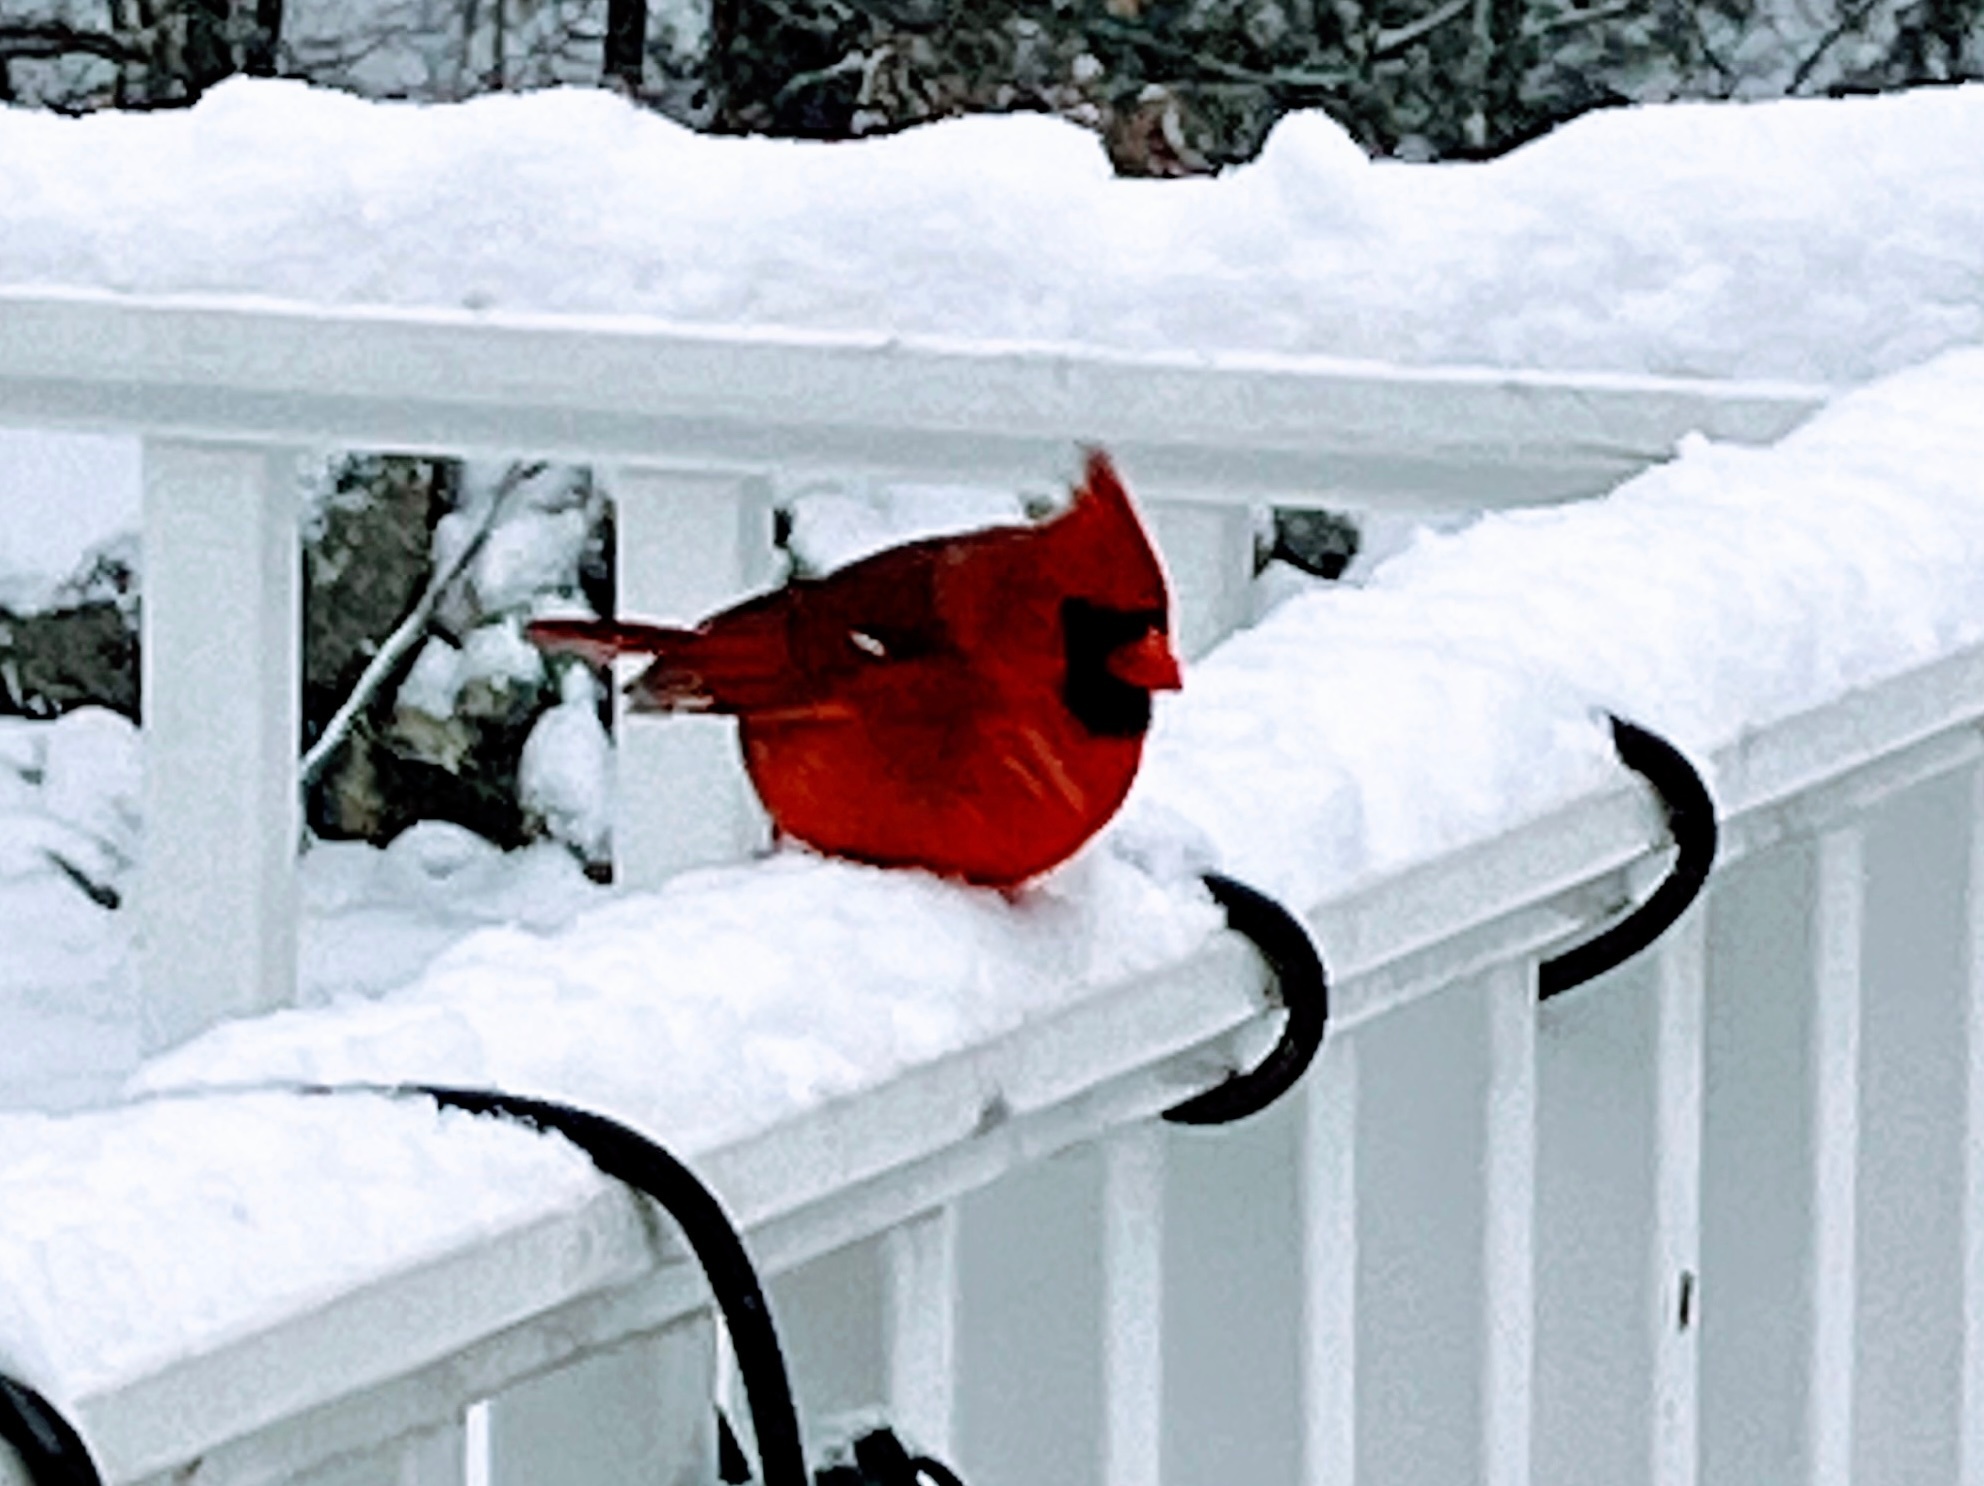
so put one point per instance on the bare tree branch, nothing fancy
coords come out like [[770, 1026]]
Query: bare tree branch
[[1140, 39], [1542, 26], [800, 81], [1851, 18], [1388, 42], [54, 39], [410, 629]]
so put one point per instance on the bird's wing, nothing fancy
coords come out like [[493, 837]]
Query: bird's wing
[[810, 649], [740, 660]]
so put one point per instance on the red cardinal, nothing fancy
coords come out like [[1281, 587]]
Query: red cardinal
[[974, 705]]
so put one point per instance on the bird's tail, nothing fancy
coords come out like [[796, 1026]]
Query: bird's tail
[[665, 686], [600, 640]]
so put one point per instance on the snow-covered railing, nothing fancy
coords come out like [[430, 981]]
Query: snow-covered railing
[[1484, 1244], [1712, 1218], [690, 420]]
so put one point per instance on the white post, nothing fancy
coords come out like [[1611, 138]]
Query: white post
[[1208, 553], [687, 542], [1508, 1269], [475, 1445], [1326, 1174], [1133, 1305], [220, 702], [920, 1305], [1834, 1066], [641, 1411], [1674, 1320], [432, 1457], [1970, 1471]]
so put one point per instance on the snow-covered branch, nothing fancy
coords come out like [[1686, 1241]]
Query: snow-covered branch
[[411, 629]]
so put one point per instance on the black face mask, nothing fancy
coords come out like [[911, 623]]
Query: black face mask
[[1105, 704]]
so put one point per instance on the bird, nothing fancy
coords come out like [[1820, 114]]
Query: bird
[[972, 705]]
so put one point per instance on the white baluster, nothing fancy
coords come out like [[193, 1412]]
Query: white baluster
[[432, 1457], [1674, 1285], [1209, 555], [641, 1411], [221, 702], [1424, 1239], [1508, 1270], [1133, 1305], [1758, 1209], [475, 1445], [1326, 1171], [1971, 1442], [1834, 1091], [920, 1304], [435, 1457], [687, 542]]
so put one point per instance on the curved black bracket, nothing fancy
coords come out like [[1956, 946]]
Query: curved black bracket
[[48, 1444], [54, 1453], [1303, 988], [1690, 821], [881, 1460], [630, 1157]]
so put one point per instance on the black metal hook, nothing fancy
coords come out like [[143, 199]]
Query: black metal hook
[[628, 1156], [54, 1454], [880, 1459], [48, 1444], [1690, 822], [1303, 987]]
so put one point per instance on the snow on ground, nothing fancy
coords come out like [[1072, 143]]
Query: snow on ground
[[1820, 240], [371, 919], [60, 496], [1354, 730], [67, 995]]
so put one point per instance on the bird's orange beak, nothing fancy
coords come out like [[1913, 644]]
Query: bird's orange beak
[[1148, 662]]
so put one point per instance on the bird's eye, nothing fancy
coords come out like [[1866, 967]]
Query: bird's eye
[[865, 641]]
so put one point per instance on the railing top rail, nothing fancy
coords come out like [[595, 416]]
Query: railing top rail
[[855, 1166], [1240, 427]]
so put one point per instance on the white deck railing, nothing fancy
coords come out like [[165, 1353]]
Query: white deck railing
[[1719, 1218]]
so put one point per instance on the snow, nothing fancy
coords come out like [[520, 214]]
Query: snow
[[1354, 730], [1711, 594], [564, 776], [434, 681], [90, 776], [834, 524], [498, 655], [528, 552], [60, 496], [1818, 240], [192, 1257], [372, 918]]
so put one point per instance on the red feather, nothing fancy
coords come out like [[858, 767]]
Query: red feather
[[974, 705]]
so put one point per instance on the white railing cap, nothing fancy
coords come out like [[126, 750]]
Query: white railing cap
[[1225, 427]]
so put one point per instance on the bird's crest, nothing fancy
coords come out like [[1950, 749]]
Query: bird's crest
[[1103, 518]]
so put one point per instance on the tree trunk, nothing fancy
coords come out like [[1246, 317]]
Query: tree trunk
[[260, 58], [626, 43]]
